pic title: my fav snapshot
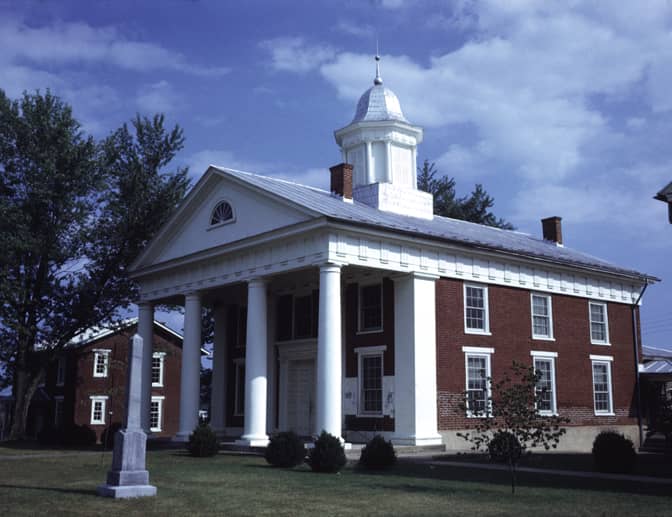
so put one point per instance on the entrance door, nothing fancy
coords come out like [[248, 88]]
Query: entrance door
[[301, 396]]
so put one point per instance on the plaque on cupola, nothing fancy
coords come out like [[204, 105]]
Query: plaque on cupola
[[380, 144]]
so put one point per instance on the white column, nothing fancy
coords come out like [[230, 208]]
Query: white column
[[255, 366], [218, 392], [414, 167], [370, 172], [191, 366], [146, 332], [388, 162], [329, 368], [415, 402]]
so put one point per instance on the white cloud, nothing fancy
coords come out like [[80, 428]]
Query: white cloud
[[159, 97], [293, 54], [356, 29]]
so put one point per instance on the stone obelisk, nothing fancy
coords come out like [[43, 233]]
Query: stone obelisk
[[128, 476]]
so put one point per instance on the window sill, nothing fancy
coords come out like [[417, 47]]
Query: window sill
[[471, 415], [548, 413], [477, 332], [600, 343], [155, 429], [219, 225], [605, 414], [97, 423], [374, 331], [370, 415], [543, 338], [157, 385]]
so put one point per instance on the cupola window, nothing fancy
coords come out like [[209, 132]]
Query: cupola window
[[223, 213]]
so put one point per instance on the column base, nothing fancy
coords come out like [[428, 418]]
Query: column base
[[417, 440], [253, 441], [126, 492]]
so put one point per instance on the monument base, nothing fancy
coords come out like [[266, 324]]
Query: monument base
[[126, 492]]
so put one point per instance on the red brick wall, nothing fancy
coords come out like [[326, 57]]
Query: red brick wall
[[510, 326], [114, 385]]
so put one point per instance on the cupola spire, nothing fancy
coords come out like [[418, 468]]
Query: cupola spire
[[378, 80]]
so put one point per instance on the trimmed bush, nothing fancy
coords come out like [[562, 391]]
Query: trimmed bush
[[505, 448], [203, 442], [613, 452], [107, 436], [378, 454], [50, 436], [285, 450], [327, 455]]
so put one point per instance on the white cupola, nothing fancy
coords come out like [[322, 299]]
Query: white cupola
[[380, 144]]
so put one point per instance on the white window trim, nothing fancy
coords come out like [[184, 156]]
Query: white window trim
[[548, 356], [238, 363], [477, 351], [158, 399], [162, 357], [604, 342], [607, 360], [96, 354], [549, 299], [222, 223], [369, 351], [359, 309], [60, 371], [486, 309], [103, 400]]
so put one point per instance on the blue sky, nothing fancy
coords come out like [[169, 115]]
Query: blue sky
[[557, 110]]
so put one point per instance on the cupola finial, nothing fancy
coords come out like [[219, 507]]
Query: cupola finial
[[378, 80]]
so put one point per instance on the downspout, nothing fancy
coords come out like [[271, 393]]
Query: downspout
[[635, 343]]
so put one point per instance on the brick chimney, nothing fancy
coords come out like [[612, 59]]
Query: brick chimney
[[552, 229], [341, 180]]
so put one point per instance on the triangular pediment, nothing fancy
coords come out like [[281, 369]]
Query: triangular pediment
[[189, 231]]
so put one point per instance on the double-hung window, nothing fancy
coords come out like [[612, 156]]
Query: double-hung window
[[476, 317], [371, 380], [157, 369], [478, 373], [599, 323], [371, 308], [542, 316], [101, 362], [98, 403], [155, 414], [602, 389], [545, 391]]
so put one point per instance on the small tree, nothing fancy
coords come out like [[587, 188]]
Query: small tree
[[510, 424]]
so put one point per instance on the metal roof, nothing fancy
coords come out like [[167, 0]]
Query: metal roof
[[658, 367], [95, 333], [440, 228], [378, 103]]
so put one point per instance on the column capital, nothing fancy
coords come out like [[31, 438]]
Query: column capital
[[192, 295], [414, 274], [257, 281], [145, 306], [331, 266]]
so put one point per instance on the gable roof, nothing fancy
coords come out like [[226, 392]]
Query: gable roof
[[665, 194], [445, 229], [96, 333]]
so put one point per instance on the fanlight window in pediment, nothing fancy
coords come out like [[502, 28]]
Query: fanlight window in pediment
[[222, 213]]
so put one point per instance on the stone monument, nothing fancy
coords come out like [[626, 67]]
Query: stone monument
[[128, 476]]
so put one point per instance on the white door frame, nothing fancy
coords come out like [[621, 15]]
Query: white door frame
[[291, 351]]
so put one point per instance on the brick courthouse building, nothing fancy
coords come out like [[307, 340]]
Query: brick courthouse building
[[356, 310]]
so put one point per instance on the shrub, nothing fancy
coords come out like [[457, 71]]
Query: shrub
[[505, 448], [327, 454], [79, 436], [378, 454], [285, 450], [107, 436], [613, 452], [203, 442], [50, 436]]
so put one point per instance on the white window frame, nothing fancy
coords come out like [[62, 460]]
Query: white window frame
[[367, 352], [549, 300], [239, 365], [101, 353], [103, 401], [551, 357], [60, 371], [486, 310], [605, 341], [361, 330], [161, 356], [58, 401], [480, 352], [605, 360], [159, 400], [232, 219]]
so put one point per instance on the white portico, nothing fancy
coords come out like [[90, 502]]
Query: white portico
[[275, 268]]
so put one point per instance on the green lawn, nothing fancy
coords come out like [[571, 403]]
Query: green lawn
[[244, 485]]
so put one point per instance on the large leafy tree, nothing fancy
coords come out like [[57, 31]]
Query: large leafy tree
[[74, 213], [474, 208]]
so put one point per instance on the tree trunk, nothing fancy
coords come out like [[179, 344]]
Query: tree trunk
[[24, 389]]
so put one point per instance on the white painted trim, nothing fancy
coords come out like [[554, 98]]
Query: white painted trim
[[488, 375], [103, 401], [549, 299], [610, 386], [603, 342], [542, 353], [601, 357], [106, 363], [478, 350], [550, 357], [158, 399], [370, 349], [162, 357], [374, 351], [486, 309], [232, 219]]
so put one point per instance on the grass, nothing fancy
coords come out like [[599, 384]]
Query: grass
[[245, 485]]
